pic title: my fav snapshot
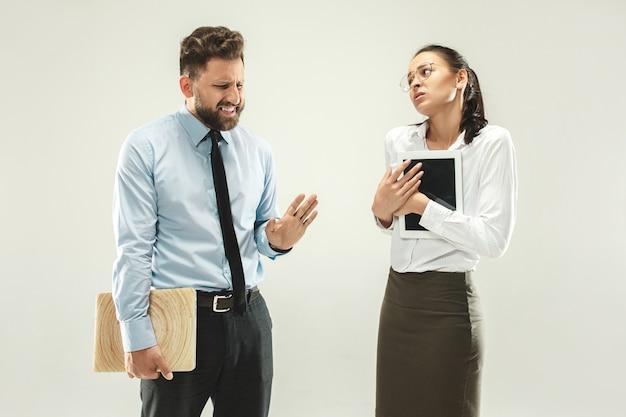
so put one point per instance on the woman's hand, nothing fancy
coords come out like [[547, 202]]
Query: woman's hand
[[394, 190], [415, 204]]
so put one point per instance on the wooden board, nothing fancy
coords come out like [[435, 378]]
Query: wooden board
[[173, 315]]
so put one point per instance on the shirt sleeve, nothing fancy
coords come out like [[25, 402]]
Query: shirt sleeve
[[387, 230], [489, 231], [389, 161], [134, 220], [268, 208]]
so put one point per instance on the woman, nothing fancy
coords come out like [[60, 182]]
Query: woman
[[429, 342]]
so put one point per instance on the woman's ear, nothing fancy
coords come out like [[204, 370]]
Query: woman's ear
[[461, 79]]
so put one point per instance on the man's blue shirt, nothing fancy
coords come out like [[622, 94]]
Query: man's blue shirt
[[166, 223]]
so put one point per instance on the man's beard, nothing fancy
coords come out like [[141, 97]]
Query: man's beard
[[215, 119]]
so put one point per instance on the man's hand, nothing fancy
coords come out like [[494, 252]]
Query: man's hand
[[147, 364], [394, 190], [285, 233]]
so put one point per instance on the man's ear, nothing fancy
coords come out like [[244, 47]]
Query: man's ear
[[461, 79], [186, 86]]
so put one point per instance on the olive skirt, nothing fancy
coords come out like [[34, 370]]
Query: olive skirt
[[429, 355]]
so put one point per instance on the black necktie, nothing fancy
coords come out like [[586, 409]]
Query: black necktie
[[226, 220]]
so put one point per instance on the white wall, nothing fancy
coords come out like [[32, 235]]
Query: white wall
[[77, 76]]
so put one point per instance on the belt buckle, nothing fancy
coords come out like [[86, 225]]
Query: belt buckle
[[216, 299]]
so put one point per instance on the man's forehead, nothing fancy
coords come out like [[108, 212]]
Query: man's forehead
[[221, 68], [217, 62]]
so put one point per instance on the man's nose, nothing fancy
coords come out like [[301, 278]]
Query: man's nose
[[234, 95]]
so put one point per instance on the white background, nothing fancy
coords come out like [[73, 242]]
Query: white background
[[321, 79]]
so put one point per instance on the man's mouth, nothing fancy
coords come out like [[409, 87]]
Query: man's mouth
[[228, 109]]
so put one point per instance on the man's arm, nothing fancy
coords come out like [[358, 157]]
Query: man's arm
[[134, 219]]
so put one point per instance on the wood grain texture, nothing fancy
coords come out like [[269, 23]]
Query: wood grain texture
[[173, 315]]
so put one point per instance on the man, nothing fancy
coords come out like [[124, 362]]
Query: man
[[169, 235]]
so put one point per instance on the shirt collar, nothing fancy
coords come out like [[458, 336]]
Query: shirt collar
[[196, 130]]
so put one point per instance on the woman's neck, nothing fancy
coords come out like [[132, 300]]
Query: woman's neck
[[442, 131]]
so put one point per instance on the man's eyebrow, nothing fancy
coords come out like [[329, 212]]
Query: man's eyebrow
[[227, 81]]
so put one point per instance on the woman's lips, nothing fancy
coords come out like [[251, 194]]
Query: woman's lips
[[418, 96]]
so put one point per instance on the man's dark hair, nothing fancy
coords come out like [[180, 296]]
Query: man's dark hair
[[205, 43]]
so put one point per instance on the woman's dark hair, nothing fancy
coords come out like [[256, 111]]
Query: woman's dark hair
[[473, 118], [205, 43]]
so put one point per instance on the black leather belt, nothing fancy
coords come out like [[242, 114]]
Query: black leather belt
[[222, 301]]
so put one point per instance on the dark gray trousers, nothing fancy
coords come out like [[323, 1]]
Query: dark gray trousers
[[234, 369]]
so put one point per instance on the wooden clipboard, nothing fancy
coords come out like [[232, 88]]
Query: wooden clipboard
[[173, 315]]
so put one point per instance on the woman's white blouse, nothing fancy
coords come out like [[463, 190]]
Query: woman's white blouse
[[489, 204]]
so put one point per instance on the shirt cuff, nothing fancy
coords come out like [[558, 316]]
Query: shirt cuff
[[279, 251], [434, 216], [137, 334], [385, 229]]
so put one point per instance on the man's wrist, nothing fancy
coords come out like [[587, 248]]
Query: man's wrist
[[275, 249]]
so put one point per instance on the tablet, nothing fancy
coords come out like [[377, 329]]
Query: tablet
[[442, 182]]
